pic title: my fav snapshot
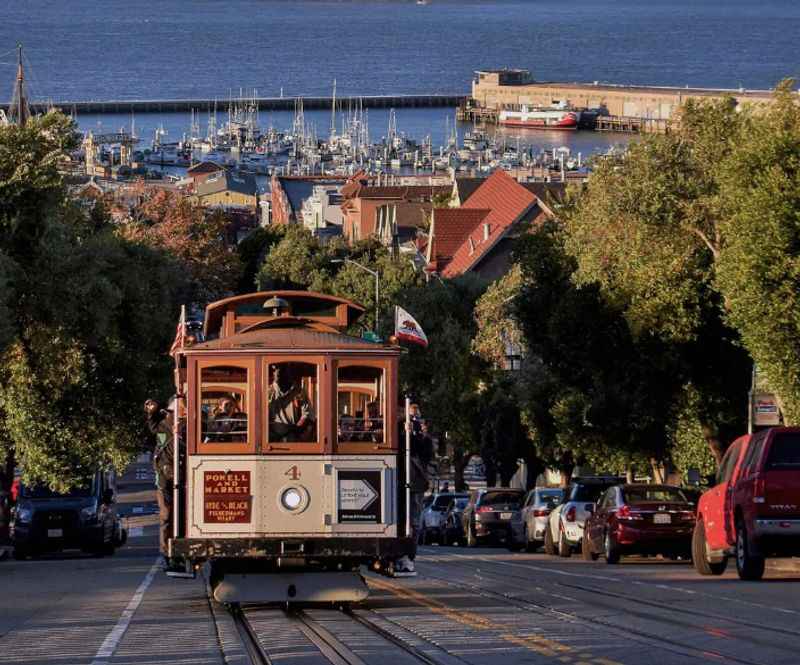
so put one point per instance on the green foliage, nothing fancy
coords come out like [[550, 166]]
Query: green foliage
[[253, 250], [496, 326], [447, 378], [758, 271], [89, 315], [689, 448], [594, 394]]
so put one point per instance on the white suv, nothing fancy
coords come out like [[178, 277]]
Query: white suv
[[565, 523]]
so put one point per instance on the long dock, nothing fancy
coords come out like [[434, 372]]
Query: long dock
[[264, 103]]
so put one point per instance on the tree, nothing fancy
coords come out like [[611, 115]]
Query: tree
[[758, 269], [193, 236], [595, 396], [252, 250], [88, 318], [447, 378], [648, 229]]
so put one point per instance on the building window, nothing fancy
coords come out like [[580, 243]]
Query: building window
[[292, 400], [223, 404], [361, 404]]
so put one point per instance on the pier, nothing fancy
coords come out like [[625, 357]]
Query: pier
[[263, 103]]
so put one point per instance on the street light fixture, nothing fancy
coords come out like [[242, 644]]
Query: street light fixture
[[374, 273]]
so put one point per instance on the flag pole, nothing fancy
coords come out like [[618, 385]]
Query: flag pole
[[176, 467], [408, 467]]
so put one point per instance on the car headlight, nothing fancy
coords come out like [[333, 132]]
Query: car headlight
[[23, 514], [89, 513]]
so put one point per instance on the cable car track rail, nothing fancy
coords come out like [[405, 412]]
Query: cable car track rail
[[250, 641], [702, 653], [329, 645]]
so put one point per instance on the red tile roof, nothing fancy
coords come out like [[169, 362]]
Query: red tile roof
[[404, 192], [507, 201], [449, 229]]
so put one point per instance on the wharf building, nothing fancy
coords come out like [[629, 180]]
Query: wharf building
[[617, 107]]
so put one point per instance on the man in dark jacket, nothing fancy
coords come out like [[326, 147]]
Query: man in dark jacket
[[160, 423]]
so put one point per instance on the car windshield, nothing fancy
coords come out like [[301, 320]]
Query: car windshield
[[550, 498], [501, 498], [588, 493], [654, 494], [443, 500], [784, 453], [44, 492]]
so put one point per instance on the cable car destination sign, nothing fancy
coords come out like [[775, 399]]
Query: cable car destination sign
[[226, 497], [359, 497]]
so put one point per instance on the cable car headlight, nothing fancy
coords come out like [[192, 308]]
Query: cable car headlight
[[292, 499]]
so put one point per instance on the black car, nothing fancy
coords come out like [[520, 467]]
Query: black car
[[489, 514], [83, 518], [452, 529]]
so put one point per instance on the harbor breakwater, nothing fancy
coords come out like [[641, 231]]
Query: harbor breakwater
[[263, 103]]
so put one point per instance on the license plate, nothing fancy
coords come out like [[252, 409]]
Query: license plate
[[55, 533], [505, 516], [662, 518]]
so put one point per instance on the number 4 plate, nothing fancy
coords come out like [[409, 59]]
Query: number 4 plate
[[55, 533], [662, 518], [505, 516]]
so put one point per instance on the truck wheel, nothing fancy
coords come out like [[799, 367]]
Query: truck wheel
[[20, 554], [549, 545], [749, 566], [699, 558], [564, 549], [586, 549], [610, 549]]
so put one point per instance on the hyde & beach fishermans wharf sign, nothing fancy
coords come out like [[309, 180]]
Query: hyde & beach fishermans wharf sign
[[226, 497]]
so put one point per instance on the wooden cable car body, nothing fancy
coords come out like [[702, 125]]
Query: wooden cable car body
[[292, 443]]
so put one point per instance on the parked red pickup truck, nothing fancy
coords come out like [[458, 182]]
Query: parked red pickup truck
[[753, 512]]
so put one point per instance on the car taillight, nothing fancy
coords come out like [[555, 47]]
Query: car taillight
[[624, 512], [570, 517], [759, 489], [484, 509], [541, 512], [687, 515]]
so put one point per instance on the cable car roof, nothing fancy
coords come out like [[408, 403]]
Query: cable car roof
[[231, 315], [295, 336]]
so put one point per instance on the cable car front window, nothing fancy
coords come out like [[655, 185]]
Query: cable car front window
[[223, 404], [292, 402], [360, 410]]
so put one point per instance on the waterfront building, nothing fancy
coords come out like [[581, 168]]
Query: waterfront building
[[512, 89], [226, 190]]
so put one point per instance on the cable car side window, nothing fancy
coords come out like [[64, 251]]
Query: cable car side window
[[292, 402], [224, 420], [361, 404]]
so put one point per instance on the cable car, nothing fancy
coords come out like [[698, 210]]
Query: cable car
[[290, 475]]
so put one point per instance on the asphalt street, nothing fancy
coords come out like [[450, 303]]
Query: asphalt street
[[467, 606]]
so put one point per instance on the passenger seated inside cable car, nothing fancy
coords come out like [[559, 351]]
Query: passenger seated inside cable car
[[360, 403], [223, 404], [292, 400]]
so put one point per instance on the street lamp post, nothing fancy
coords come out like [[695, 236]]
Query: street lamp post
[[374, 273]]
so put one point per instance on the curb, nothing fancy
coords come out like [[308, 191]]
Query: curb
[[784, 565]]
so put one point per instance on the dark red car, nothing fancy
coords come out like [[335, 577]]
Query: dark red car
[[640, 519]]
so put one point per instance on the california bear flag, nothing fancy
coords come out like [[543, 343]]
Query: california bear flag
[[407, 328]]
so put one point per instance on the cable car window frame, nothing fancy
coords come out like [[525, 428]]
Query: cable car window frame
[[321, 408], [389, 435], [216, 448]]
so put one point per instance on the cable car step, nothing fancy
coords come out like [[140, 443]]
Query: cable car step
[[313, 587]]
